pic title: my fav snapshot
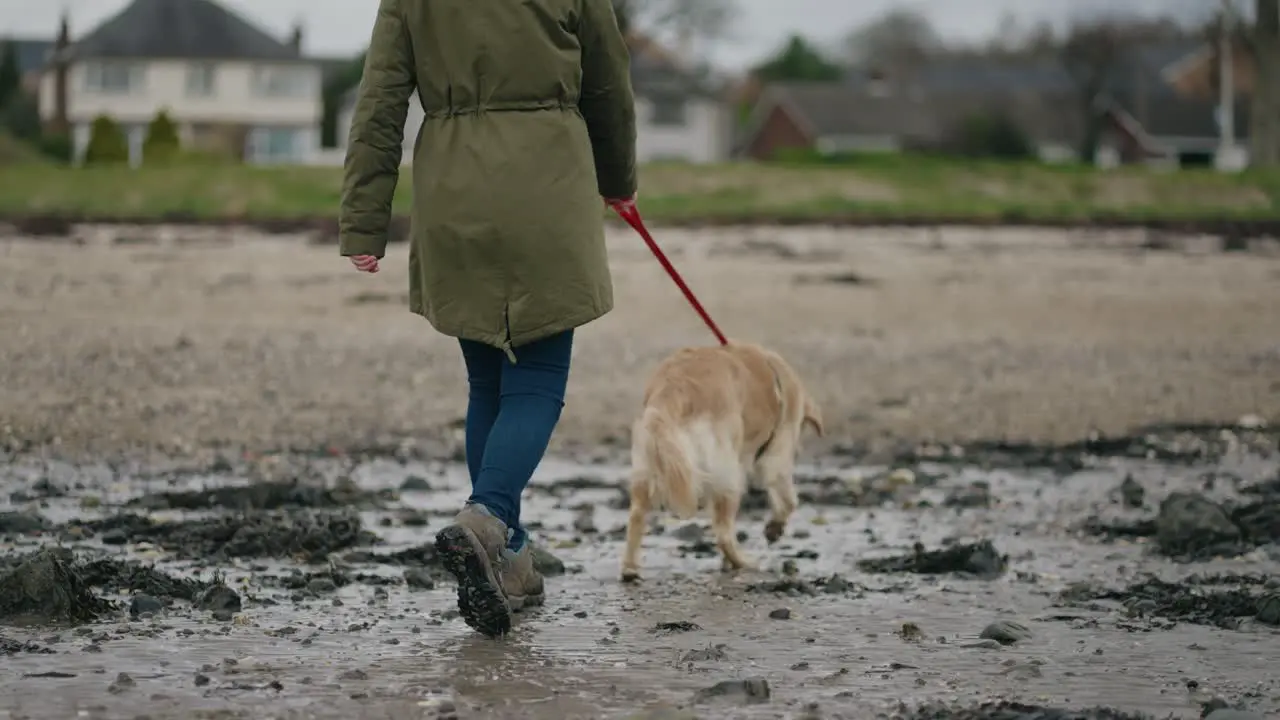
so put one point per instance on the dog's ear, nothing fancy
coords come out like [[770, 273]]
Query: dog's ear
[[813, 416]]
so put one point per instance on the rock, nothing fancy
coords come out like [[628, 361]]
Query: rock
[[20, 523], [689, 532], [983, 645], [122, 682], [1231, 714], [219, 598], [144, 604], [322, 586], [1269, 609], [201, 679], [980, 559], [1131, 492], [419, 579], [780, 614], [711, 653], [749, 690], [47, 587], [223, 615], [837, 584], [1006, 632], [414, 483], [1190, 524], [545, 563], [585, 522]]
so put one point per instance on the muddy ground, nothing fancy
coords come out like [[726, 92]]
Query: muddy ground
[[1050, 486]]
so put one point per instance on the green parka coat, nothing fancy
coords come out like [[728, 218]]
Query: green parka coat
[[530, 119]]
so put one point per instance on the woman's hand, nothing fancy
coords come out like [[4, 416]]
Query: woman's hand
[[365, 263], [620, 205]]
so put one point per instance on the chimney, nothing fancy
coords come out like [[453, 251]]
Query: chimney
[[61, 68], [295, 40]]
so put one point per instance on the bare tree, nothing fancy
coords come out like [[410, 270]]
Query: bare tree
[[694, 22], [1094, 50], [697, 21], [898, 39]]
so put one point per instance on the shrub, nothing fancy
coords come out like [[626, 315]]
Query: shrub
[[162, 143], [993, 135], [107, 143], [56, 146], [21, 117]]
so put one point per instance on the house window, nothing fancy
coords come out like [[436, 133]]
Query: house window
[[201, 79], [668, 111], [282, 82], [114, 78], [276, 144]]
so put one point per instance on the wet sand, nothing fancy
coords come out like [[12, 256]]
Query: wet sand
[[298, 585], [362, 624]]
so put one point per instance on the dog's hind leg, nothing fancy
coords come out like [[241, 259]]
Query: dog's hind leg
[[641, 502], [776, 469], [724, 513]]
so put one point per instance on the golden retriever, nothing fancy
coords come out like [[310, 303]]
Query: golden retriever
[[714, 420]]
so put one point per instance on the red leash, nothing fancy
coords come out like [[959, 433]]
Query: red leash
[[627, 211]]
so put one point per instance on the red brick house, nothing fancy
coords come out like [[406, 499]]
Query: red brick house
[[834, 117]]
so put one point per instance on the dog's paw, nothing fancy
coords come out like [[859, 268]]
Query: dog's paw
[[630, 576], [773, 531]]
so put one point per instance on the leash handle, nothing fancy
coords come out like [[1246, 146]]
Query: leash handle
[[628, 212]]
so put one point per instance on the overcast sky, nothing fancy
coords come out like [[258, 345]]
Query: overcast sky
[[342, 26]]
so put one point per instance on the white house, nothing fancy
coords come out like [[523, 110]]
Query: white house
[[678, 115], [228, 85]]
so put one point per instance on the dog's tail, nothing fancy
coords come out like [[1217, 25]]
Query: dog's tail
[[672, 479], [813, 416]]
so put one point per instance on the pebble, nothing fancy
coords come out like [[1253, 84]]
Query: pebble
[[1005, 632], [780, 614], [750, 690], [419, 579], [140, 605]]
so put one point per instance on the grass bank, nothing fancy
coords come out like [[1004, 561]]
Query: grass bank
[[895, 187]]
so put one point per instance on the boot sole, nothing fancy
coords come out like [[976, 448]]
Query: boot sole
[[480, 600]]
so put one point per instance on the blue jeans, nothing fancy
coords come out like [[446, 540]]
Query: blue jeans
[[511, 411]]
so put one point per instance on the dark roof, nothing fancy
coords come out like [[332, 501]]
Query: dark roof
[[834, 109], [31, 53], [181, 29], [1169, 117], [981, 75], [921, 117]]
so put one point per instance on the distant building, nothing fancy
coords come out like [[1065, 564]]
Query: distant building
[[230, 86], [1158, 106], [869, 113], [680, 115], [829, 118], [1161, 105]]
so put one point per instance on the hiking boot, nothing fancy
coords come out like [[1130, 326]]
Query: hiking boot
[[472, 549], [521, 582]]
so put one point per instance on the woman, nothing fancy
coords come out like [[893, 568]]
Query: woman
[[530, 120]]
